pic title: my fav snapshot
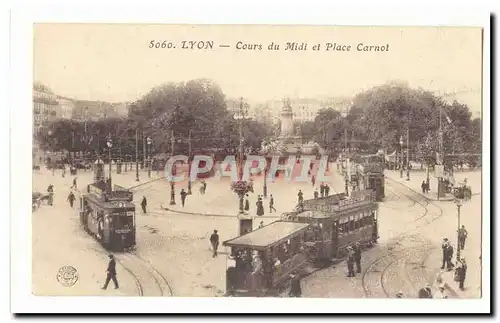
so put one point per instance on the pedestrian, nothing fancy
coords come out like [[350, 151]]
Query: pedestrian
[[261, 224], [64, 171], [423, 186], [183, 197], [214, 240], [327, 190], [427, 187], [441, 294], [462, 235], [295, 288], [71, 199], [50, 190], [204, 184], [357, 257], [300, 196], [247, 203], [144, 204], [313, 180], [449, 256], [316, 194], [350, 262], [444, 247], [111, 273], [322, 189], [399, 294], [271, 204], [461, 273], [425, 292], [74, 184], [260, 207]]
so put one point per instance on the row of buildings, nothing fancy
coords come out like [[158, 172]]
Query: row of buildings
[[303, 109], [48, 107]]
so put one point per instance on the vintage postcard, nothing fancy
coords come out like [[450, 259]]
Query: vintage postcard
[[257, 161]]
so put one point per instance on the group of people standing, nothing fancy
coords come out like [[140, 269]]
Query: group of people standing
[[260, 205]]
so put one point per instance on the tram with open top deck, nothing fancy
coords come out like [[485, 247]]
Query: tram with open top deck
[[336, 222], [319, 231], [108, 213]]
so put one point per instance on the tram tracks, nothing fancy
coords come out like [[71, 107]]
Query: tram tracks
[[394, 266], [148, 280]]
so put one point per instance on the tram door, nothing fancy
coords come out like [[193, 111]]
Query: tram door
[[107, 227], [335, 237]]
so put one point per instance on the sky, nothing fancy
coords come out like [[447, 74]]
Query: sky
[[114, 62]]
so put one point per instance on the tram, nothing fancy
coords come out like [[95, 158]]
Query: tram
[[108, 213], [336, 222], [261, 261], [319, 231]]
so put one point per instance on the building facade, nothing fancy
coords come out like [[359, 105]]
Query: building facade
[[45, 106]]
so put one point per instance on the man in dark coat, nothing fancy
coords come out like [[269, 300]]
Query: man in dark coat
[[183, 197], [144, 203], [111, 273], [260, 207], [214, 240], [444, 247], [461, 273], [300, 196], [357, 257], [322, 189], [423, 186], [327, 190], [271, 204], [350, 262], [71, 199], [425, 292], [449, 256], [295, 289]]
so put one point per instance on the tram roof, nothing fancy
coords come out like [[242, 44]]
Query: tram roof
[[99, 200], [268, 235]]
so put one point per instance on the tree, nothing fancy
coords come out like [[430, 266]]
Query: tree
[[197, 105]]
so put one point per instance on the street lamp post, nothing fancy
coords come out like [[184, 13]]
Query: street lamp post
[[408, 154], [189, 164], [148, 141], [265, 181], [402, 156], [172, 184], [458, 202], [136, 155], [109, 144]]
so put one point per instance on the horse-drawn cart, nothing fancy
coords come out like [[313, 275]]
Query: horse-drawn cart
[[36, 200]]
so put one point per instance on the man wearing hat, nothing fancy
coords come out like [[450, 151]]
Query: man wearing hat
[[295, 289], [447, 254], [461, 272], [350, 262], [111, 273], [399, 294], [214, 240]]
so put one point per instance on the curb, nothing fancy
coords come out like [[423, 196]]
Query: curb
[[216, 215], [145, 183], [446, 199]]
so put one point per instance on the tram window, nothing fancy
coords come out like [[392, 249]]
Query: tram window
[[357, 223]]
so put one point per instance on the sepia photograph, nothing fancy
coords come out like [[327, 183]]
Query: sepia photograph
[[257, 161]]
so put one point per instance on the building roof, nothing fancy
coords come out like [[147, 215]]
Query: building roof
[[267, 236]]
